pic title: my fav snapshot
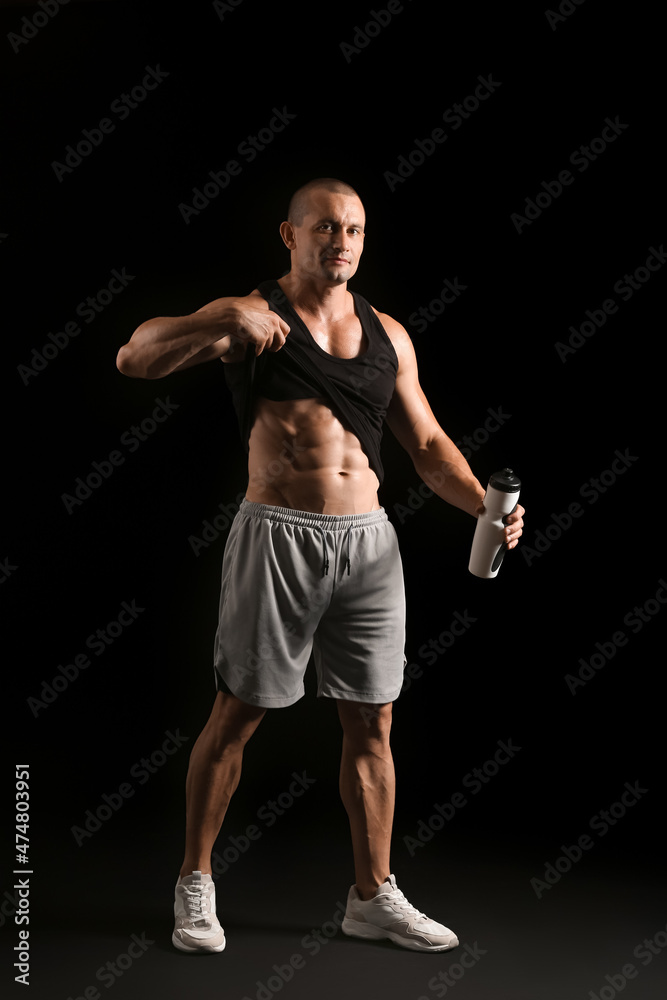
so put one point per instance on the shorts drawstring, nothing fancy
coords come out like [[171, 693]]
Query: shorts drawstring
[[324, 523], [325, 556], [325, 562], [347, 536]]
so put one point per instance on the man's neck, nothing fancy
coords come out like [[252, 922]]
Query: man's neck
[[316, 298]]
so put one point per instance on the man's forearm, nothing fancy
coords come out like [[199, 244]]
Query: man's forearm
[[444, 470], [159, 346]]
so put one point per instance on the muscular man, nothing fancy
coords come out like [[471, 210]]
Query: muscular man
[[311, 562]]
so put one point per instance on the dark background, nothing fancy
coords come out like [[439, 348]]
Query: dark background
[[66, 574]]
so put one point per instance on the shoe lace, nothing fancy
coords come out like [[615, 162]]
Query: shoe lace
[[196, 903], [397, 897]]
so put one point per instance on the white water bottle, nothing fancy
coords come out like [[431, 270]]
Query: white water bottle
[[488, 544]]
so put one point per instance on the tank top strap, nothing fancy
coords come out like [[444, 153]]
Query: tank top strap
[[370, 322]]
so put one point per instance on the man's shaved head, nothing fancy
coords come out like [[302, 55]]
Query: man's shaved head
[[324, 232], [298, 206]]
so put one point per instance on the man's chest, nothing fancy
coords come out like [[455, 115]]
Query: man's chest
[[344, 338]]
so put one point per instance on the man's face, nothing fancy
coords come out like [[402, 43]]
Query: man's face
[[330, 240]]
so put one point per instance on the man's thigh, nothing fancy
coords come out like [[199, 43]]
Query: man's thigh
[[271, 599], [359, 646]]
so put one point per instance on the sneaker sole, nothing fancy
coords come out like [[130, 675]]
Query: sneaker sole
[[211, 949], [357, 928]]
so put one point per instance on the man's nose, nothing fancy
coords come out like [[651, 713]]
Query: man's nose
[[340, 241]]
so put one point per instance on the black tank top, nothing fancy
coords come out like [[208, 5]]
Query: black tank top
[[358, 390]]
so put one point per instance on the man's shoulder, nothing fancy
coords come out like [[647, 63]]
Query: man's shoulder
[[399, 339], [396, 332], [255, 293]]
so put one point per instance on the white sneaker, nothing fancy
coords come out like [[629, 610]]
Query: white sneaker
[[389, 915], [197, 927]]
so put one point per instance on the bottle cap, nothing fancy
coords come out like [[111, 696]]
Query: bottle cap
[[505, 481]]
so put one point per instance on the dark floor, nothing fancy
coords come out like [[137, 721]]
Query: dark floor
[[578, 937]]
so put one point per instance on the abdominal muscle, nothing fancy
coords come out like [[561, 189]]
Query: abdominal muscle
[[302, 457]]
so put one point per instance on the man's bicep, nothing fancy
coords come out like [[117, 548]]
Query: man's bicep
[[227, 349], [214, 304], [211, 353], [410, 417], [409, 414]]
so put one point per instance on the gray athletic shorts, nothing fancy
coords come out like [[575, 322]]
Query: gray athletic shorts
[[292, 582]]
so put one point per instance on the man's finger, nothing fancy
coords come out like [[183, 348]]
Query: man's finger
[[516, 515], [277, 342]]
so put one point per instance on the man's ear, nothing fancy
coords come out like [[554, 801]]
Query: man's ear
[[287, 233]]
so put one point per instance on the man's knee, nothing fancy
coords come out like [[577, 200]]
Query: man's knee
[[232, 722], [363, 722]]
